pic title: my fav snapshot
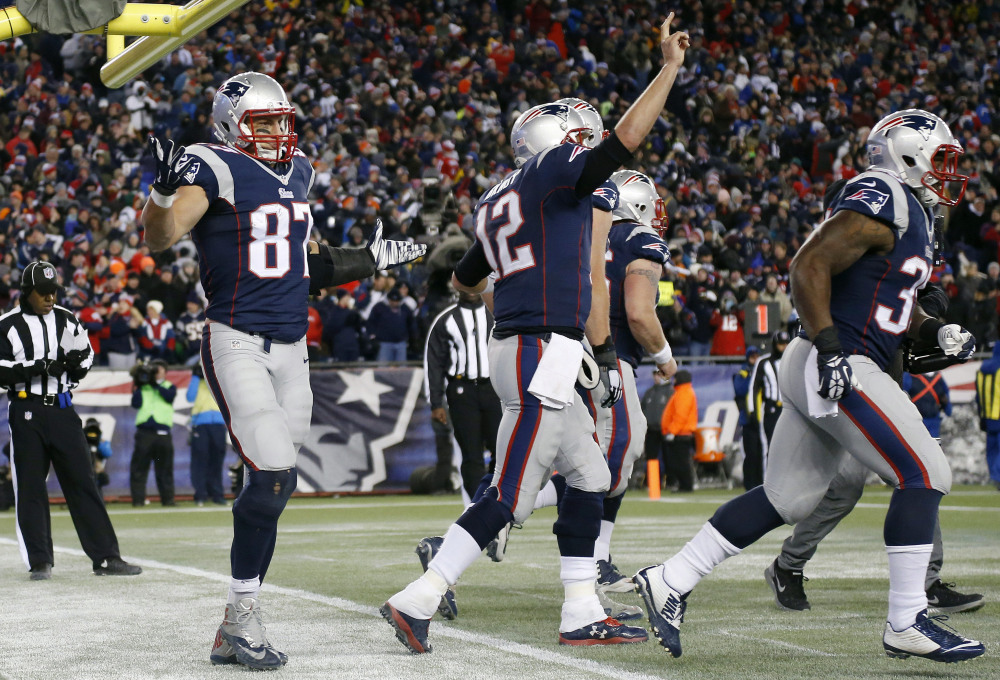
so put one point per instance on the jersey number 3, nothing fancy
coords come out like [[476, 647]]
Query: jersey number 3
[[502, 260], [914, 266]]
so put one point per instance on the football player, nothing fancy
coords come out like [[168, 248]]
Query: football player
[[854, 282], [245, 203], [534, 230]]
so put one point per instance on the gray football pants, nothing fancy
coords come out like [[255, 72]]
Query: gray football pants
[[844, 492], [532, 438]]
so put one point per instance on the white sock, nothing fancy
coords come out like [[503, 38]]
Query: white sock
[[240, 588], [697, 558], [907, 569], [602, 548], [458, 551], [547, 497], [581, 606], [420, 599]]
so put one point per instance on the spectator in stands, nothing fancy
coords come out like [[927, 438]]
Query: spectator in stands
[[393, 326], [157, 339], [124, 324], [342, 329], [189, 330], [727, 339]]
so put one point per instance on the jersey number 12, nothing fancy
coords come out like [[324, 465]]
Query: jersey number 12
[[503, 260]]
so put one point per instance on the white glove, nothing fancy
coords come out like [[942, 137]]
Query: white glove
[[955, 341], [392, 253]]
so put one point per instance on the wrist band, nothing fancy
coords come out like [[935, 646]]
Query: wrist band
[[827, 341], [663, 356], [489, 285], [161, 200]]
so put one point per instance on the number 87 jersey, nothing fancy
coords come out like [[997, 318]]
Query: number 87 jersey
[[872, 301], [252, 240]]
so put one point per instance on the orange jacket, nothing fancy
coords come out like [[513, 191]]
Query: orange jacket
[[681, 415]]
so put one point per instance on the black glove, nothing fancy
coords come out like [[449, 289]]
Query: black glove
[[611, 377], [391, 253], [171, 162], [75, 357], [38, 368], [55, 368], [836, 377], [933, 300]]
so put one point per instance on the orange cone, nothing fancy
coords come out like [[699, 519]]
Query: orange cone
[[653, 478]]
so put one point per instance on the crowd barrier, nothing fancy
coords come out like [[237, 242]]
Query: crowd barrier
[[371, 424]]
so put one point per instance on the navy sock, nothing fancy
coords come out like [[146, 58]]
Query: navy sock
[[484, 484], [579, 522], [611, 507], [746, 518], [485, 518], [912, 517]]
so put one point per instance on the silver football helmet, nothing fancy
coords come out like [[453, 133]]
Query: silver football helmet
[[545, 126], [592, 119], [920, 149], [250, 101], [638, 201]]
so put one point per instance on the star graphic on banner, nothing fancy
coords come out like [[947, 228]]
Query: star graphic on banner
[[364, 388]]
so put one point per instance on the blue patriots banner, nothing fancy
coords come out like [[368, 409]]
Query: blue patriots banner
[[371, 426]]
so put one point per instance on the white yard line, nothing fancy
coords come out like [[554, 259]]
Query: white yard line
[[779, 643]]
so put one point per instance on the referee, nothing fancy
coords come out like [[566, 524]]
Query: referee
[[456, 351], [44, 353]]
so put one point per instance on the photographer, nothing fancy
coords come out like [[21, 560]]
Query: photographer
[[45, 429], [153, 396], [100, 451], [208, 441]]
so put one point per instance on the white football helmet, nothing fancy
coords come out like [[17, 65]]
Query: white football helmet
[[591, 118], [638, 201], [239, 105], [920, 149], [545, 126]]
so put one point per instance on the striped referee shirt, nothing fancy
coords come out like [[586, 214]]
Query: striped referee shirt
[[27, 338], [763, 387], [456, 348]]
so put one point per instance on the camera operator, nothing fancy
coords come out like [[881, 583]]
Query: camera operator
[[153, 396], [100, 451], [44, 353]]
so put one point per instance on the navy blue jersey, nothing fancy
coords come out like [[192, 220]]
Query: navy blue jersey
[[628, 242], [872, 300], [252, 240], [535, 233]]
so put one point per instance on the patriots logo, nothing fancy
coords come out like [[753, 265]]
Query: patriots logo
[[357, 415], [875, 200], [921, 122], [608, 195], [235, 91], [659, 247], [192, 172]]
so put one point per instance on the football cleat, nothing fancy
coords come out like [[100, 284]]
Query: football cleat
[[927, 639], [618, 610], [411, 631], [787, 587], [664, 605], [242, 637], [427, 548], [116, 566], [606, 632], [612, 580], [941, 599], [497, 548], [41, 572]]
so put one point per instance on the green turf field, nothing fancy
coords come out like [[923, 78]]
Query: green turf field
[[338, 559]]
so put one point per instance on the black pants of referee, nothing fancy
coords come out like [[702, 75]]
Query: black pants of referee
[[158, 449], [475, 413], [44, 436]]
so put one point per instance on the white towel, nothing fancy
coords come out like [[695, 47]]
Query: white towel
[[818, 406], [554, 381]]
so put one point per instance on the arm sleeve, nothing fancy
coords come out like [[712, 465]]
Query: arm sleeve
[[434, 362], [607, 157], [167, 391], [192, 390], [473, 267], [336, 266]]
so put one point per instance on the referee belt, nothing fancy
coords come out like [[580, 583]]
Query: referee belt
[[61, 400], [477, 381]]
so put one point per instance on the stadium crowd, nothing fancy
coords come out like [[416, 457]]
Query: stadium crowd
[[405, 110]]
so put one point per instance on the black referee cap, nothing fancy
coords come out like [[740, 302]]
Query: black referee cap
[[40, 276]]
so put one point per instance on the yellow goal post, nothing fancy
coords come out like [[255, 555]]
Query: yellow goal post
[[160, 29]]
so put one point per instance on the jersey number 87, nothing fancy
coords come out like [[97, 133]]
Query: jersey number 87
[[270, 248]]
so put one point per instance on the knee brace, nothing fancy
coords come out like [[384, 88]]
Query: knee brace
[[264, 497], [579, 522]]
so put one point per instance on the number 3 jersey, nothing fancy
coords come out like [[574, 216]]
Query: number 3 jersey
[[252, 240], [872, 300]]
